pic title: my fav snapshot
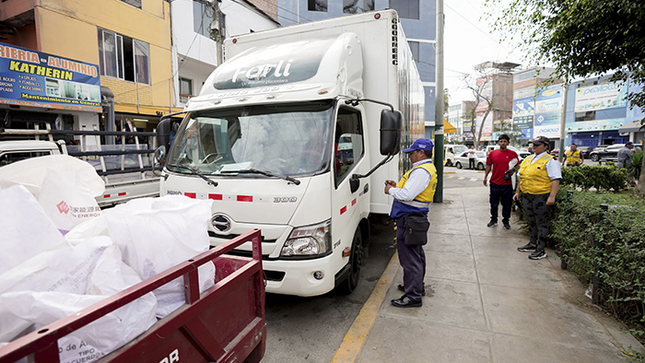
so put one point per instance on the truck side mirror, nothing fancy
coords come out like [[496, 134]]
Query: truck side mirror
[[158, 158], [390, 131], [163, 133]]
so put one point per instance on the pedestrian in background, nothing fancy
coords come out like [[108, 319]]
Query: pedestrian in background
[[503, 163], [625, 155], [412, 197], [573, 156], [471, 157], [540, 176]]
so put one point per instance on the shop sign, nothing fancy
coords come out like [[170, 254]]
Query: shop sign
[[36, 79], [600, 97]]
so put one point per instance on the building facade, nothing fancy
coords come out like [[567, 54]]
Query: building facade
[[128, 41], [418, 18], [198, 29], [458, 116]]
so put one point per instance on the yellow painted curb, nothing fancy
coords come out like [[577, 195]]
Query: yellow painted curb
[[450, 172], [355, 337]]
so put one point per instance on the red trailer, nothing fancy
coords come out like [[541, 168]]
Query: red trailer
[[224, 324]]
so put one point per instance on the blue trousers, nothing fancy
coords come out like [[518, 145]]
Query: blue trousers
[[413, 261]]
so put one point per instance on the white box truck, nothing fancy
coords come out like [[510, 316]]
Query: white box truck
[[295, 134]]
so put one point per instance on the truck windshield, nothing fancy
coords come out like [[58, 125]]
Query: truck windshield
[[279, 139]]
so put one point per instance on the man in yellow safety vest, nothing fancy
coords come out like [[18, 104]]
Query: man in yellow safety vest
[[573, 156]]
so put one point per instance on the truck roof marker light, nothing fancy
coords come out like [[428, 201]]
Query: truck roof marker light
[[234, 40], [243, 99], [377, 16], [323, 92], [270, 97], [217, 102]]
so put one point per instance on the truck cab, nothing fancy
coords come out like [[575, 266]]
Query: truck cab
[[12, 151]]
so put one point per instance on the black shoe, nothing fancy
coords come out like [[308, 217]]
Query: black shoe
[[406, 302], [537, 255], [528, 248], [506, 225], [491, 224], [402, 288]]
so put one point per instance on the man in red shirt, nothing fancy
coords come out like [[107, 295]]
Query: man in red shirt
[[503, 162]]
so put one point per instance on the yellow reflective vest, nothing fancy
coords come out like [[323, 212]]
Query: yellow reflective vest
[[428, 193], [534, 178], [572, 157]]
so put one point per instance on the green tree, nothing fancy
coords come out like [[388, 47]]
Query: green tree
[[581, 38]]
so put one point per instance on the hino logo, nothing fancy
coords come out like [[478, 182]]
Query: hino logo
[[221, 222]]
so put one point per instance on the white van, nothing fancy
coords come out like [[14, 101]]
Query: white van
[[450, 150]]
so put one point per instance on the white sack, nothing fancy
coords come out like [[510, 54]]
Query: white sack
[[93, 340], [31, 173], [94, 227], [155, 234], [26, 229], [67, 199], [66, 269]]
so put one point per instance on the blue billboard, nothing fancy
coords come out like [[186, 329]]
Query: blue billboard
[[36, 79]]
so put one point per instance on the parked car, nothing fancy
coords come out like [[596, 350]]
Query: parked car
[[480, 160], [451, 150], [610, 153], [585, 151]]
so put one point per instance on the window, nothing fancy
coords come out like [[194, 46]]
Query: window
[[348, 143], [408, 9], [13, 156], [185, 89], [123, 57], [135, 3], [414, 47], [317, 5], [357, 6], [202, 18]]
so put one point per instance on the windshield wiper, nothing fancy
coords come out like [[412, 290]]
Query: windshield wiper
[[266, 173], [194, 171]]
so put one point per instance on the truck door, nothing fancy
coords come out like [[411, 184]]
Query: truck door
[[347, 207]]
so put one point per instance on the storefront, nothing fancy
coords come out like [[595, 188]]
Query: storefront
[[42, 90]]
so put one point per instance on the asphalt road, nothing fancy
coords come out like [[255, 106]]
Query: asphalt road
[[311, 329]]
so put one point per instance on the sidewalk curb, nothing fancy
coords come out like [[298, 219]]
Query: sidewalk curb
[[357, 333]]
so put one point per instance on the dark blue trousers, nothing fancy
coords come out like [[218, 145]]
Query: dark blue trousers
[[503, 193], [413, 261], [537, 212]]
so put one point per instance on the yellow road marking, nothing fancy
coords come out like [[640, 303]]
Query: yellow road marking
[[355, 337]]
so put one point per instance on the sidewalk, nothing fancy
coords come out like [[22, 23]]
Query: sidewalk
[[487, 302]]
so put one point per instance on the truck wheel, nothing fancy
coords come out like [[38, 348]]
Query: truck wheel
[[355, 262], [458, 165], [448, 162]]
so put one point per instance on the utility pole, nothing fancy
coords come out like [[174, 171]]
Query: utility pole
[[563, 120], [438, 113]]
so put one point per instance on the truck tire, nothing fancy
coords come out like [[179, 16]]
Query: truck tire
[[355, 262]]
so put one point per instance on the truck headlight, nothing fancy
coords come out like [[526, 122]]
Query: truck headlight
[[308, 241]]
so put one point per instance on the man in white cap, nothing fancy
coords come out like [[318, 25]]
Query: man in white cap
[[412, 197]]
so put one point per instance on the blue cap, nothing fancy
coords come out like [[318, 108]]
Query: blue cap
[[420, 144]]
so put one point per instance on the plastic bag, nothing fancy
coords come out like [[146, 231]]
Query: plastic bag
[[26, 229], [31, 173], [92, 341], [155, 234], [67, 200], [65, 269]]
